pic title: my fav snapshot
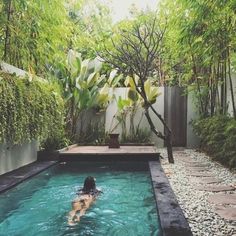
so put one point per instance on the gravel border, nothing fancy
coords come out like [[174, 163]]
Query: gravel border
[[198, 211]]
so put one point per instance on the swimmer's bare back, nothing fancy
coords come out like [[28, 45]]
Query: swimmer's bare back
[[80, 204]]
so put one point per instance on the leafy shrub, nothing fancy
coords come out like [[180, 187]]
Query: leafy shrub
[[218, 138], [30, 110], [139, 136]]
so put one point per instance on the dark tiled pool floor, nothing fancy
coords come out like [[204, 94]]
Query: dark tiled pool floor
[[15, 177]]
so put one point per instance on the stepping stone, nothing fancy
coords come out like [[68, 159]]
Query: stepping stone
[[215, 188], [201, 174], [223, 198], [188, 161], [196, 165], [206, 180], [196, 169], [228, 213]]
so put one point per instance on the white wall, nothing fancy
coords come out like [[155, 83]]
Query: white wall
[[192, 114], [112, 109], [13, 157], [229, 98], [12, 69], [192, 139]]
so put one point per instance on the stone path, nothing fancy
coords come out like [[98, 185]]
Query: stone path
[[228, 213], [200, 170], [207, 193], [215, 188], [205, 180], [223, 198], [200, 174]]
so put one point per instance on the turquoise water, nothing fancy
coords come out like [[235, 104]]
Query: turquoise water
[[40, 206]]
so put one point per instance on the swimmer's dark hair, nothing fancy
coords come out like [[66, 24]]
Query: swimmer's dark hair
[[89, 185]]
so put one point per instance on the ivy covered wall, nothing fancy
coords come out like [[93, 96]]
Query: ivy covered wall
[[30, 109]]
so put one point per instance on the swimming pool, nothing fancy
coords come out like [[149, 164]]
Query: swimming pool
[[40, 205]]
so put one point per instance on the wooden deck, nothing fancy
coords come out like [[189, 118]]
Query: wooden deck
[[103, 152]]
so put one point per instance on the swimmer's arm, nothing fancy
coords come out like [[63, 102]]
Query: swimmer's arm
[[82, 212], [71, 217]]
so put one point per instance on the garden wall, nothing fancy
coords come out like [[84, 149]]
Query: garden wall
[[13, 157], [192, 140], [112, 109], [229, 99]]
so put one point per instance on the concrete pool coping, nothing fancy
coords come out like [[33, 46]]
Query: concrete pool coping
[[172, 219], [15, 177]]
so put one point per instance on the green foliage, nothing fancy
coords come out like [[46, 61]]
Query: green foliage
[[93, 131], [199, 49], [31, 109], [81, 87], [92, 25], [218, 138], [127, 110], [34, 34], [140, 136]]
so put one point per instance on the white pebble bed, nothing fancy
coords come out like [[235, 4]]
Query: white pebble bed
[[197, 210]]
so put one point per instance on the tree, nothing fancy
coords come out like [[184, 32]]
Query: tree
[[33, 34], [91, 25], [201, 36], [134, 54]]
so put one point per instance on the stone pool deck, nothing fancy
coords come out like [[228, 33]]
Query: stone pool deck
[[15, 177], [206, 192], [124, 153]]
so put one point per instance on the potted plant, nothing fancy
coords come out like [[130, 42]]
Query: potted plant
[[114, 140]]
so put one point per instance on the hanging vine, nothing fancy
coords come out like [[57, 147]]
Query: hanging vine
[[29, 110]]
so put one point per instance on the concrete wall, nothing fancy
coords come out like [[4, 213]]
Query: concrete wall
[[112, 109], [192, 114], [13, 157], [229, 98], [192, 139], [12, 69]]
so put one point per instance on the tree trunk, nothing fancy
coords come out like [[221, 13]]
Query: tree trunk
[[169, 148], [167, 137], [7, 30], [231, 86]]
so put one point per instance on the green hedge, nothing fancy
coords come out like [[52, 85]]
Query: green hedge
[[30, 110], [218, 138]]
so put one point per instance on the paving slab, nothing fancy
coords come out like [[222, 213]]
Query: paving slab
[[196, 165], [205, 180], [215, 188], [200, 174], [196, 169], [222, 198], [187, 160], [228, 213]]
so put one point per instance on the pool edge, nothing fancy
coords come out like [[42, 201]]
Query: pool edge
[[172, 219], [15, 177]]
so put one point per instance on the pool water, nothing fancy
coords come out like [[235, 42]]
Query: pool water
[[40, 205]]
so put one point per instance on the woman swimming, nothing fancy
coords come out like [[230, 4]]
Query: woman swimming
[[86, 196]]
